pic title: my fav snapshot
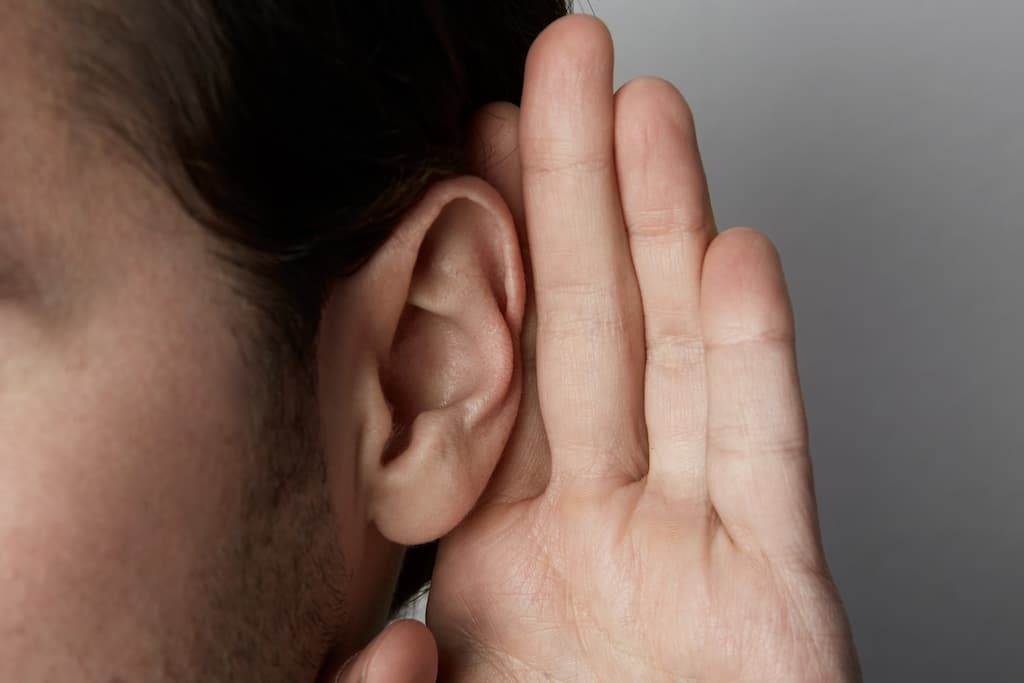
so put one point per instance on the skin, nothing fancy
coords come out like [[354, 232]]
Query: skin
[[147, 536], [176, 504], [653, 517], [136, 520]]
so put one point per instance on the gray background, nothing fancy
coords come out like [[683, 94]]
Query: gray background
[[881, 146]]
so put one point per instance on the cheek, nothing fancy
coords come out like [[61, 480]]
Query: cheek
[[120, 459]]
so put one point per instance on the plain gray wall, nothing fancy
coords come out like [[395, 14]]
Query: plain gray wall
[[880, 144]]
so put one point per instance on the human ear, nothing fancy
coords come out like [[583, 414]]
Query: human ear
[[422, 344]]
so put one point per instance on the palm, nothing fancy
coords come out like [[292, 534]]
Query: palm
[[540, 589], [653, 518]]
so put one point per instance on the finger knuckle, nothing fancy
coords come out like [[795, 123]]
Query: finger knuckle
[[665, 224], [759, 339], [677, 351], [738, 441], [564, 164]]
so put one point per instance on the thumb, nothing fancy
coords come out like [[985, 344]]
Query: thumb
[[404, 652]]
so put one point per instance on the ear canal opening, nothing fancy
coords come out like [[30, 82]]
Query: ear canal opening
[[399, 439]]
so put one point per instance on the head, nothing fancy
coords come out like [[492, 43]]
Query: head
[[258, 324]]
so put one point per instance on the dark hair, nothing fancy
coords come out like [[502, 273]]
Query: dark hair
[[299, 131]]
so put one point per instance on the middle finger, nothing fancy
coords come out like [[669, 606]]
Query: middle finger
[[670, 224]]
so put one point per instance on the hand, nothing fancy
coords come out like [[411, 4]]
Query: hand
[[654, 516], [404, 652]]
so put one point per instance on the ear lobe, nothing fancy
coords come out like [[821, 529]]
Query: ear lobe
[[444, 301]]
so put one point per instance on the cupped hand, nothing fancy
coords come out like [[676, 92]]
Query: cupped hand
[[653, 518]]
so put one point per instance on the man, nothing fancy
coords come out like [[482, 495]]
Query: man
[[257, 336]]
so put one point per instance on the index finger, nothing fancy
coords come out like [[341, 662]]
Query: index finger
[[590, 346]]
